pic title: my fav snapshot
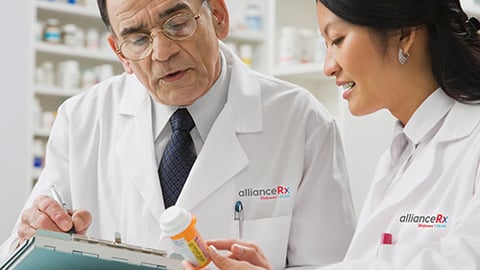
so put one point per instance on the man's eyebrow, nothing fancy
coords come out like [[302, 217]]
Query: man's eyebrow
[[129, 30], [162, 16], [167, 13]]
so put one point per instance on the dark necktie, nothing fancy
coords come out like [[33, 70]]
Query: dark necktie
[[178, 157]]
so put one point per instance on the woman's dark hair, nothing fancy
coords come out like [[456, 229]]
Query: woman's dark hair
[[454, 41]]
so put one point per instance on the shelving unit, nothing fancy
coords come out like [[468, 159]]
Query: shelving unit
[[51, 95], [275, 15]]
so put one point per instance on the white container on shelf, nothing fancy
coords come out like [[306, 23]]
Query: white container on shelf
[[288, 46], [92, 39], [52, 32], [253, 18], [88, 78], [69, 74], [69, 35], [48, 73], [306, 46]]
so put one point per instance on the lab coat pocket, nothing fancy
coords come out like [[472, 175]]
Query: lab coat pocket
[[270, 234], [398, 255]]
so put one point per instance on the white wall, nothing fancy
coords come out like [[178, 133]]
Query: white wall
[[14, 98], [365, 139]]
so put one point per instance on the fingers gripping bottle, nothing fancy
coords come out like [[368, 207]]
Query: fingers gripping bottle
[[178, 224]]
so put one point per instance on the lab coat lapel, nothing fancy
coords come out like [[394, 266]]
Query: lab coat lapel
[[222, 155], [451, 130], [411, 179], [135, 147], [221, 158], [376, 217]]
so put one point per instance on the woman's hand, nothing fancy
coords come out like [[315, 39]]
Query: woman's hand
[[241, 255]]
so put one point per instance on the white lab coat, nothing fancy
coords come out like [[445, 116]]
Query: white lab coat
[[441, 180], [270, 134]]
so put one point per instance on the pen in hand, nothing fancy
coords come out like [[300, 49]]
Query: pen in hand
[[64, 205]]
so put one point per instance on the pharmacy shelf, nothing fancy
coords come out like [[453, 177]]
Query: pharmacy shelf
[[65, 8], [311, 71], [49, 98], [55, 91], [63, 50], [42, 133], [245, 36]]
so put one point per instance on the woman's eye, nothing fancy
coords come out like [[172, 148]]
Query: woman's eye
[[337, 41]]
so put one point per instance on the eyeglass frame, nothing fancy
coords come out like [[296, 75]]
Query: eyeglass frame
[[191, 15]]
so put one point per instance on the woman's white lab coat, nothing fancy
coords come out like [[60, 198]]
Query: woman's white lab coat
[[433, 210], [273, 146]]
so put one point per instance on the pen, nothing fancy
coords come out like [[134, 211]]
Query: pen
[[239, 215], [64, 205]]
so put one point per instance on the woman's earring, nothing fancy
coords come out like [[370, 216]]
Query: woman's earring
[[402, 57]]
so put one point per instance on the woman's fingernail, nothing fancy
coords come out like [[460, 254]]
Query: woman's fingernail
[[212, 249], [238, 249]]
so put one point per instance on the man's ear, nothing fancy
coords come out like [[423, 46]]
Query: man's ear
[[221, 20], [112, 41]]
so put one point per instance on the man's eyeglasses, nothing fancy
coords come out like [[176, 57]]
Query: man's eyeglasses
[[179, 27]]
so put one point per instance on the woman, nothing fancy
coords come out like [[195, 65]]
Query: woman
[[421, 61]]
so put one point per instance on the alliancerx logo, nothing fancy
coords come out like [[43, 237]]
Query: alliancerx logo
[[274, 193], [439, 221]]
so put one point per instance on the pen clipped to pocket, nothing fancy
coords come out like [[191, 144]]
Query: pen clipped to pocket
[[239, 215]]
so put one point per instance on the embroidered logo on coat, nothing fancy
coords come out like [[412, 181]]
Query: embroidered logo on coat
[[438, 221], [279, 192]]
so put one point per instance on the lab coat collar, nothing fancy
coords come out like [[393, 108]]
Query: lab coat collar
[[222, 156], [464, 118], [245, 101], [133, 100], [427, 116]]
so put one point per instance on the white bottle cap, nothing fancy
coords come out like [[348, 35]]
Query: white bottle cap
[[175, 220]]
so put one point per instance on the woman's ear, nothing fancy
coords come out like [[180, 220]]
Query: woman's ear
[[112, 41], [220, 16], [407, 38]]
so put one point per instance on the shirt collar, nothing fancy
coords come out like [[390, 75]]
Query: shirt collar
[[204, 110]]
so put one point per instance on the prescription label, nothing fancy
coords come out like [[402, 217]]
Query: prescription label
[[193, 251]]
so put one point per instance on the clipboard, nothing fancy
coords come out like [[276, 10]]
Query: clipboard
[[49, 250]]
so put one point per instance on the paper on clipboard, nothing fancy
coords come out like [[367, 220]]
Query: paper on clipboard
[[49, 250]]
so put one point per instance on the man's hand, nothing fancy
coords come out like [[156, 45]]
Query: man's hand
[[47, 214]]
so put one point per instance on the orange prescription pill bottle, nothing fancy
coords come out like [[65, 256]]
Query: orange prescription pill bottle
[[178, 224]]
